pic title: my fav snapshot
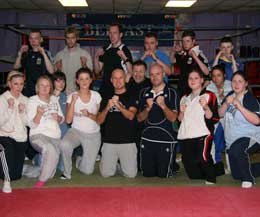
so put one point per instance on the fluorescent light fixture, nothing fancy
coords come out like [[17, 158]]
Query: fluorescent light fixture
[[180, 3], [74, 3]]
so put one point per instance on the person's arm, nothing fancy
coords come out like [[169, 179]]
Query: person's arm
[[251, 117], [101, 116], [202, 66], [171, 115], [142, 115], [217, 58], [47, 61], [98, 65], [234, 64], [166, 68], [18, 61], [226, 102], [70, 108], [128, 113]]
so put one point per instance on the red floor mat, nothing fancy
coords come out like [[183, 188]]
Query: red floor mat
[[132, 202]]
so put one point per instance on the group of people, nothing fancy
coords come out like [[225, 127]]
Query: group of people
[[136, 120]]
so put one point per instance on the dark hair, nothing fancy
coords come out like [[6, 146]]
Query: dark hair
[[219, 67], [241, 73], [35, 31], [81, 71], [71, 29], [140, 63], [119, 26], [226, 39], [84, 70], [197, 70], [58, 75], [151, 35], [190, 33]]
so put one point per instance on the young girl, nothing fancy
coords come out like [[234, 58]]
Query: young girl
[[44, 116], [241, 112], [221, 87], [198, 114], [13, 132], [82, 108]]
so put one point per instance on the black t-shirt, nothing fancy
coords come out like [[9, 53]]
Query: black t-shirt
[[34, 66], [118, 129], [186, 63], [135, 88], [111, 61]]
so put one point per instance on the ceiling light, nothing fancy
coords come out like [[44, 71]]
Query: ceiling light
[[180, 3], [74, 3]]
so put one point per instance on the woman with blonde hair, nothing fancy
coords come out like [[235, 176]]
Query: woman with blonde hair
[[44, 116], [13, 132]]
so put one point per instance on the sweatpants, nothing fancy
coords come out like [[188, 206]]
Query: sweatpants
[[12, 158], [156, 158], [197, 159], [90, 143], [49, 148], [239, 159], [125, 153]]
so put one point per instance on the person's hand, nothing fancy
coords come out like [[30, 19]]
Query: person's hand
[[115, 99], [74, 97], [230, 100], [85, 112], [146, 54], [220, 53], [110, 104], [55, 117], [40, 110], [236, 103], [83, 61], [183, 107], [23, 49], [21, 108], [160, 101], [152, 54], [203, 102], [177, 48], [221, 93], [149, 103], [99, 52], [41, 50], [192, 53], [10, 102]]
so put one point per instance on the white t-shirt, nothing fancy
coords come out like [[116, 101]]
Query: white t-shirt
[[47, 126], [193, 124], [81, 122]]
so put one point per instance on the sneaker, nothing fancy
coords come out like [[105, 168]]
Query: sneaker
[[39, 184], [63, 177], [246, 184], [209, 183], [7, 187]]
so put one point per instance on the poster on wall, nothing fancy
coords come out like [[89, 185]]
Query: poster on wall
[[94, 27]]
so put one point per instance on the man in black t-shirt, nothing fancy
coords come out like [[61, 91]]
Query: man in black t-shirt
[[114, 56], [34, 61], [117, 112], [187, 57]]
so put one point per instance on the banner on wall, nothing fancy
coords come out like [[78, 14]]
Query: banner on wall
[[93, 27]]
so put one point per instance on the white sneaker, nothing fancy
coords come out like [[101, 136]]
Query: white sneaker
[[7, 187], [247, 184], [209, 183]]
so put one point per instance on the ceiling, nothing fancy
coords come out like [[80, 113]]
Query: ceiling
[[134, 6]]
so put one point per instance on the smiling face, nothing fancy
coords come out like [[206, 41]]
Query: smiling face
[[118, 79], [239, 84], [195, 81], [138, 73]]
